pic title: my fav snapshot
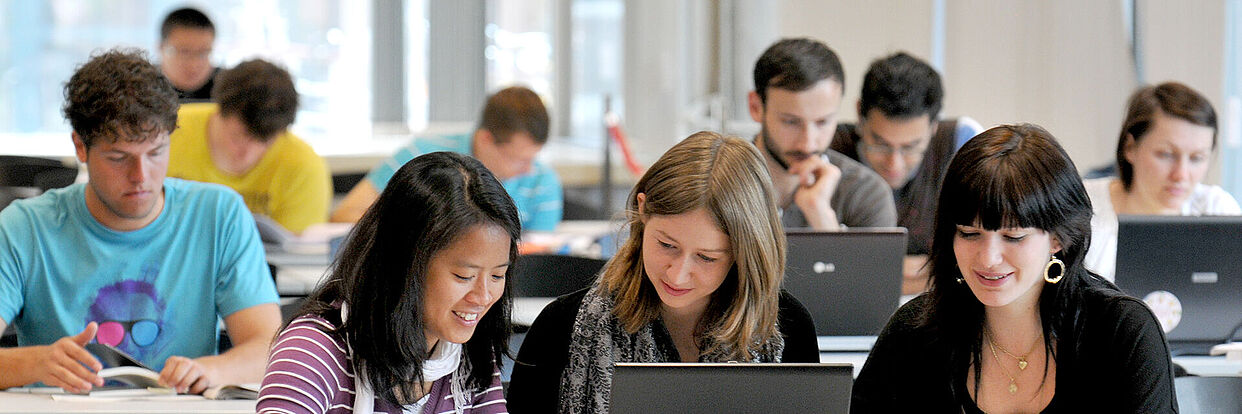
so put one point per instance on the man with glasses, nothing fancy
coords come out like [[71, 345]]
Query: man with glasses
[[186, 39], [131, 259], [900, 137], [797, 98]]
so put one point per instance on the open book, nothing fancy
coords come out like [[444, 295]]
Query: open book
[[272, 233], [124, 373], [233, 392], [130, 377]]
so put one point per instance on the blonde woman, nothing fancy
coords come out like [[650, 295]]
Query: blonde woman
[[698, 280]]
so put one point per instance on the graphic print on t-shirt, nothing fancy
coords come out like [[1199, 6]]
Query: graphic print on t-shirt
[[131, 316]]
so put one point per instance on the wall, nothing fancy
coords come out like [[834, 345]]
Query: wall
[[1062, 64]]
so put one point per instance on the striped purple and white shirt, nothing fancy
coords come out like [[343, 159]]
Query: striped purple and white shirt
[[309, 371]]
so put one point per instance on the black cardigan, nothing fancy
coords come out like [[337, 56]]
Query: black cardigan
[[535, 384], [1123, 365]]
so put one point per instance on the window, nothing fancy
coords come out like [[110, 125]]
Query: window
[[325, 44], [574, 77], [1229, 113]]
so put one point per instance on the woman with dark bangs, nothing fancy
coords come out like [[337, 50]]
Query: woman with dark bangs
[[415, 314], [1013, 322]]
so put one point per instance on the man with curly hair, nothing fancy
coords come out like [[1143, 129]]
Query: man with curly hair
[[129, 258]]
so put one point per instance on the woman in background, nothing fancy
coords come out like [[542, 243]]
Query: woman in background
[[1013, 322], [415, 314], [1163, 152], [698, 280]]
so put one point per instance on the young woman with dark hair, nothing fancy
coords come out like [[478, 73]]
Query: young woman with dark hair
[[1163, 153], [1012, 321], [415, 314]]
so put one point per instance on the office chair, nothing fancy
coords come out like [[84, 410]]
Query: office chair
[[9, 338], [552, 275], [1209, 394], [42, 173], [22, 177], [546, 276]]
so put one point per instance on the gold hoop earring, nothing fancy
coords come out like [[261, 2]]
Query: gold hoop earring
[[1048, 270]]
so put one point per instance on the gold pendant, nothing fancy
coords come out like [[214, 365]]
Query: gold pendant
[[1013, 388], [1021, 364]]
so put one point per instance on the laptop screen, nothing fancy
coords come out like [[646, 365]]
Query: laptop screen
[[1187, 269], [731, 387], [850, 281]]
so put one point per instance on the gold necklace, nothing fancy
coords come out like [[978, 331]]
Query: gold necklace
[[1022, 364], [1013, 382]]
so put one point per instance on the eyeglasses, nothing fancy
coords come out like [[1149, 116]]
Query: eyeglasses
[[885, 150], [142, 332], [176, 53]]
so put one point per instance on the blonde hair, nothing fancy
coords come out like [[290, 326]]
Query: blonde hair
[[727, 177]]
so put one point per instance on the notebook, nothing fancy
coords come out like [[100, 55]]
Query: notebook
[[1189, 272], [850, 281], [731, 387]]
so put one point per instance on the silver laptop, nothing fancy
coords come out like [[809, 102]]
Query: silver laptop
[[850, 281], [1189, 272], [731, 388]]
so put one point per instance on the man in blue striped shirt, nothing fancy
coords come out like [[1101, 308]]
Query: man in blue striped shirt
[[513, 128]]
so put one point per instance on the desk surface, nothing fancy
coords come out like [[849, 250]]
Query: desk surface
[[20, 402], [1207, 366], [300, 270], [575, 163]]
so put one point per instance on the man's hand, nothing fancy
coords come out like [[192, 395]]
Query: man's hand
[[817, 182], [251, 330], [187, 375], [66, 364]]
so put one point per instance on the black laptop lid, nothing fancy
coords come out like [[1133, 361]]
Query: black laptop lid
[[1187, 269], [731, 388], [850, 281]]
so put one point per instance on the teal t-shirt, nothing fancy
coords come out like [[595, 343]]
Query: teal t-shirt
[[536, 194], [156, 291]]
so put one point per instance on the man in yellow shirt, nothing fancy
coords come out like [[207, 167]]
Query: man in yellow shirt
[[242, 141]]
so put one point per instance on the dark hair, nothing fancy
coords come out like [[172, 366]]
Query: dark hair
[[185, 18], [1008, 176], [512, 110], [119, 95], [796, 65], [380, 271], [901, 86], [261, 94], [1170, 98]]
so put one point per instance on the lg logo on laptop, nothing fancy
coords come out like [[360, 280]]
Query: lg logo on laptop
[[821, 267]]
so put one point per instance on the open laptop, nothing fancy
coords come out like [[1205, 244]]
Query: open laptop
[[1189, 271], [731, 387], [850, 281]]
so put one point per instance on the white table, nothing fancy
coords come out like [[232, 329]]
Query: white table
[[1207, 366], [525, 310], [1210, 366], [577, 165], [21, 402]]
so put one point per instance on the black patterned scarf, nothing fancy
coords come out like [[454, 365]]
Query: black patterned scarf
[[599, 341]]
